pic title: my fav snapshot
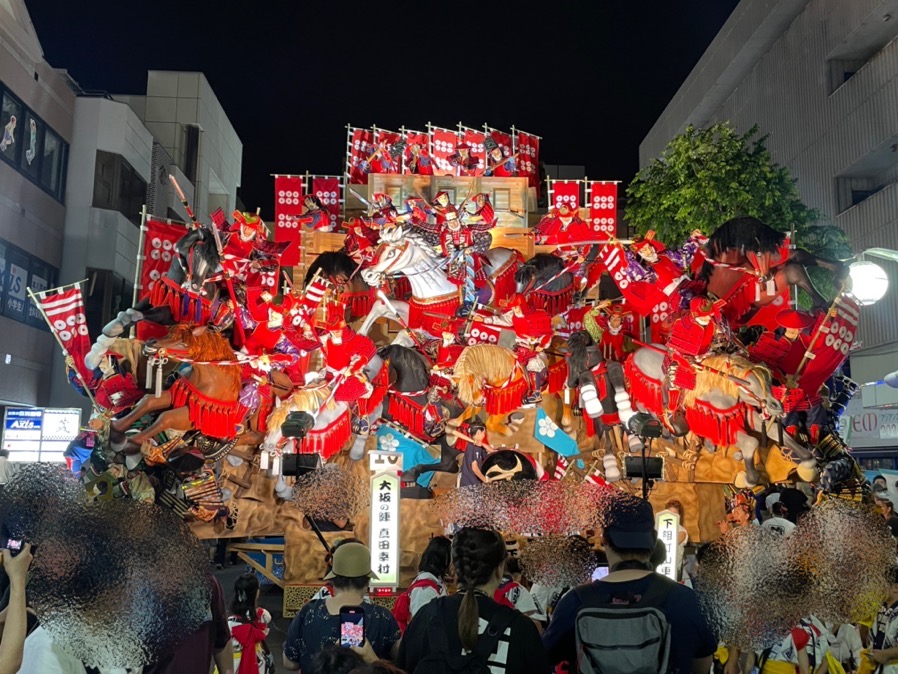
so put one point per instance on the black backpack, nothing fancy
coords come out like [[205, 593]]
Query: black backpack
[[623, 638], [439, 659]]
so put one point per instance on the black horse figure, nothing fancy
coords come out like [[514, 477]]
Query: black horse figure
[[409, 373], [602, 389], [196, 259], [335, 266], [546, 283], [739, 241]]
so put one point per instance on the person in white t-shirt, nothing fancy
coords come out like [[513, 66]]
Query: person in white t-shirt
[[514, 595]]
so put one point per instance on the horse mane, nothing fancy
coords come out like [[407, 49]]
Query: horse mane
[[330, 263], [481, 364], [744, 233], [302, 400], [541, 267], [206, 346], [406, 361], [578, 345], [733, 364]]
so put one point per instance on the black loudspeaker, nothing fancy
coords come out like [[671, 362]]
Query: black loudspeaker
[[299, 464], [654, 467]]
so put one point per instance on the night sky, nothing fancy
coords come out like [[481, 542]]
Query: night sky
[[589, 77]]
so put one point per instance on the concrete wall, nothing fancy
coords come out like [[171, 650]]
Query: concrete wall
[[29, 217], [176, 100]]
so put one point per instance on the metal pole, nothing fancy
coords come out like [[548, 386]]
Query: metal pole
[[140, 258]]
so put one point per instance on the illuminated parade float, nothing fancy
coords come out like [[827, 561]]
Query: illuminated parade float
[[326, 376]]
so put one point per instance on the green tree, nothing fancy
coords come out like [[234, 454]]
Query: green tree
[[706, 176]]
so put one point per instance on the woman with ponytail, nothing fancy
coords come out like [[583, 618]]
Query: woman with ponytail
[[249, 627], [469, 631]]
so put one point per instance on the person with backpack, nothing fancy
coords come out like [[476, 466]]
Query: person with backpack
[[469, 632], [428, 584], [633, 620]]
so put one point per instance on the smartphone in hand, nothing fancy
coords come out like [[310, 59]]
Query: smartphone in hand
[[352, 626]]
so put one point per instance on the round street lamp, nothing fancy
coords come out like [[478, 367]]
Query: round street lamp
[[869, 282]]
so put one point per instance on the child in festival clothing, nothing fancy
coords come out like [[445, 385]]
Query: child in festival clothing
[[249, 628]]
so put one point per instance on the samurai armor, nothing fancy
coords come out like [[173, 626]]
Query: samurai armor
[[351, 389]]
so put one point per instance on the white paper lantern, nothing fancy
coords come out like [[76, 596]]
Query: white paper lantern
[[869, 282]]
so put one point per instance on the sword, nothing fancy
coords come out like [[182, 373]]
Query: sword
[[698, 366], [570, 267], [361, 198], [383, 298]]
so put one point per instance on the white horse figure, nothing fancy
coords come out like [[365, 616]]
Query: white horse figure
[[405, 252]]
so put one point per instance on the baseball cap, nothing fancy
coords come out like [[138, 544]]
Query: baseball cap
[[630, 524], [351, 560]]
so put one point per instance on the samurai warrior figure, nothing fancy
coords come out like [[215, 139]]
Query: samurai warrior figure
[[691, 341], [533, 330], [316, 216], [418, 160]]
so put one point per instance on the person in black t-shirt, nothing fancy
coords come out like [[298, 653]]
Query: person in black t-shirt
[[478, 556], [317, 625], [629, 539]]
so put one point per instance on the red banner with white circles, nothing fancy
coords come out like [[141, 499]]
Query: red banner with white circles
[[482, 333], [504, 141], [444, 144], [65, 314], [528, 158], [330, 191], [361, 145], [158, 252], [288, 194], [602, 203], [566, 192], [474, 140], [830, 344]]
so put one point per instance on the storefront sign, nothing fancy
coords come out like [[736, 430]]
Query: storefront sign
[[668, 525], [385, 488], [868, 427], [385, 529], [39, 434]]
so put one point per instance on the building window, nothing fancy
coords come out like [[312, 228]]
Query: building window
[[54, 156], [11, 119], [32, 147], [32, 150], [502, 200], [861, 47], [18, 272], [106, 295], [872, 173], [118, 187]]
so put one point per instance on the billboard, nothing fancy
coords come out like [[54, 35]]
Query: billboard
[[39, 433]]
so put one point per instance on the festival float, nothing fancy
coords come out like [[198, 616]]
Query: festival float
[[321, 379]]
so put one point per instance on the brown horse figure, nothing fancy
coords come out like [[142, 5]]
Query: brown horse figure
[[746, 245], [489, 376], [205, 399]]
